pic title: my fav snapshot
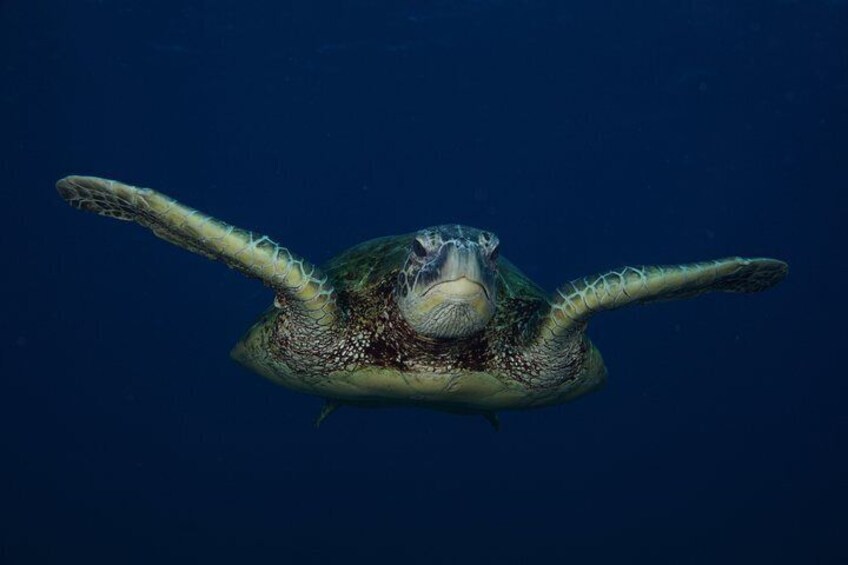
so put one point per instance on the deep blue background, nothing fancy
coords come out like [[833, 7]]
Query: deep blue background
[[586, 134]]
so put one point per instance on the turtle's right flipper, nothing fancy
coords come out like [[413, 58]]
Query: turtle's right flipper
[[299, 283], [577, 300]]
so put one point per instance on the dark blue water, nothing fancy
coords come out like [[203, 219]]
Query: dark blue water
[[588, 135]]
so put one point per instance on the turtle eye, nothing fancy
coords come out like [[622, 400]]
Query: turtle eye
[[495, 252], [418, 248]]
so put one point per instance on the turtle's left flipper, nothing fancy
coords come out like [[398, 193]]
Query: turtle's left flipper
[[494, 421], [328, 408], [576, 301], [300, 285]]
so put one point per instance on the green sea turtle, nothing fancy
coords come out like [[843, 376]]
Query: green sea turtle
[[433, 318]]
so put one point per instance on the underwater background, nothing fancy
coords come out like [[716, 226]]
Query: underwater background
[[587, 135]]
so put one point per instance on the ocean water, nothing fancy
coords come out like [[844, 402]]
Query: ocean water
[[587, 135]]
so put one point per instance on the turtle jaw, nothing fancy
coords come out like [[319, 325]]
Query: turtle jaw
[[459, 289], [450, 309], [449, 315]]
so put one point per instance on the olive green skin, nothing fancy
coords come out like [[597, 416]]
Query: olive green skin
[[375, 359]]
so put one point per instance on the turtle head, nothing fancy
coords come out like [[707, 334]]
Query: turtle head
[[446, 288]]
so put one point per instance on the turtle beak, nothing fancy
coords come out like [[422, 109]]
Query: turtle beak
[[461, 275], [462, 288]]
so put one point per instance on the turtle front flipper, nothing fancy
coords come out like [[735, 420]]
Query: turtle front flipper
[[577, 300], [299, 283]]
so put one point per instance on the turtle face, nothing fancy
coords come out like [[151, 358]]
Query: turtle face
[[446, 288]]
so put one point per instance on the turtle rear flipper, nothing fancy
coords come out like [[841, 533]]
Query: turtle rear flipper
[[577, 300], [299, 282]]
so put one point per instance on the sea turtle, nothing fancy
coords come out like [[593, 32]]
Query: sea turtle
[[434, 318]]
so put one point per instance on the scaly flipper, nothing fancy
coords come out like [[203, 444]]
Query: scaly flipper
[[576, 301], [299, 283]]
